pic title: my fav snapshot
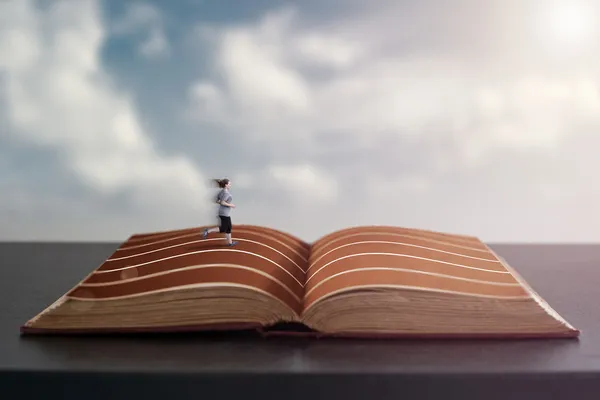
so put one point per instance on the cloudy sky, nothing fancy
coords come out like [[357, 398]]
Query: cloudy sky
[[471, 117]]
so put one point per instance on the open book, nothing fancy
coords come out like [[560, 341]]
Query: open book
[[369, 281]]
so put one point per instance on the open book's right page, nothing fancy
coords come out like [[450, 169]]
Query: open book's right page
[[383, 279]]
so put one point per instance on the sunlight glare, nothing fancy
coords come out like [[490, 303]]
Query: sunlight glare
[[569, 23]]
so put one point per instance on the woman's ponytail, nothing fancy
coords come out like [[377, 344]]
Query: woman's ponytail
[[221, 182]]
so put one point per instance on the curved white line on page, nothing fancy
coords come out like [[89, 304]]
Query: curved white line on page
[[408, 287], [200, 235], [402, 244], [398, 229], [170, 234], [192, 267], [203, 240], [177, 288], [106, 271], [407, 256], [161, 234], [168, 239], [400, 235], [413, 272]]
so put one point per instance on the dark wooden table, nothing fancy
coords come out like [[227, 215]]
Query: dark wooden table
[[212, 367]]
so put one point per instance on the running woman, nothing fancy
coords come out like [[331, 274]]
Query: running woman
[[225, 205]]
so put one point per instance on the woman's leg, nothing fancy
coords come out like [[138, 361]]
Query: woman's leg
[[211, 230], [226, 227]]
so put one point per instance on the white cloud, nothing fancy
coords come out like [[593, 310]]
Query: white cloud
[[472, 128], [327, 50], [258, 78], [266, 91], [529, 113], [444, 112], [143, 17], [58, 96], [293, 185], [381, 188], [244, 180], [156, 44], [265, 94], [304, 183]]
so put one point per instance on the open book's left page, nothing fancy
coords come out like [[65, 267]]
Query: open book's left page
[[177, 278]]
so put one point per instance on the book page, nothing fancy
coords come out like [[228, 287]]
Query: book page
[[265, 260], [377, 256]]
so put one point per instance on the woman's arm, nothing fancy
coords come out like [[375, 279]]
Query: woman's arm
[[221, 200], [225, 203]]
